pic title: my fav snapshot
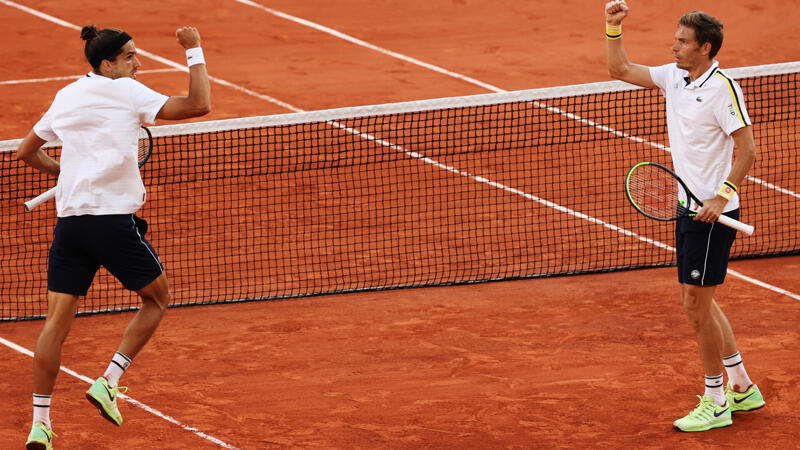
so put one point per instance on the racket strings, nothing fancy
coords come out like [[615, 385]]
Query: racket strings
[[655, 192]]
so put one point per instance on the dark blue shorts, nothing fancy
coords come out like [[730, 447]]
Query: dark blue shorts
[[703, 250], [81, 244]]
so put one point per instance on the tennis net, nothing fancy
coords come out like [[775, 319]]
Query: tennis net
[[437, 192]]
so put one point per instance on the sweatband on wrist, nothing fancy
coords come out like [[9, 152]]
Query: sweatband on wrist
[[727, 190], [194, 56], [613, 31]]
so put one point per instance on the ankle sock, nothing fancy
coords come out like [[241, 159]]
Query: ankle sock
[[116, 368], [41, 409]]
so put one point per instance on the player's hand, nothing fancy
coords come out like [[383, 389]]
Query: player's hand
[[188, 37], [616, 10], [711, 210]]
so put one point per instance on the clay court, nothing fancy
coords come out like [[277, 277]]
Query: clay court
[[604, 360]]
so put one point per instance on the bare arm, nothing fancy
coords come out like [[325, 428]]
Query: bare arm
[[30, 151], [619, 66], [745, 156], [198, 102]]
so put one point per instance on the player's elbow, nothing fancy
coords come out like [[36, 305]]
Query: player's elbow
[[202, 109], [25, 154], [616, 72], [201, 105], [193, 109]]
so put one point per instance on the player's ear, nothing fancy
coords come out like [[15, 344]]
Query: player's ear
[[106, 67], [705, 49]]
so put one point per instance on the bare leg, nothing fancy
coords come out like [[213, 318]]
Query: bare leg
[[714, 335], [155, 299], [61, 309], [728, 340]]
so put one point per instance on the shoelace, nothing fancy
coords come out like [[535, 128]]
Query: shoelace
[[48, 431], [705, 408]]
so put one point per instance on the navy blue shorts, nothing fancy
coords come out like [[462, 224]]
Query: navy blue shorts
[[703, 250], [81, 244]]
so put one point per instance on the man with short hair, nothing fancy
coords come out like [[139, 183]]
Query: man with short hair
[[706, 118], [99, 189]]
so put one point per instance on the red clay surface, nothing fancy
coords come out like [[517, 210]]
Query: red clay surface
[[605, 361]]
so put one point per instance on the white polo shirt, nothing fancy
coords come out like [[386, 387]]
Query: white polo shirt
[[97, 120], [701, 116]]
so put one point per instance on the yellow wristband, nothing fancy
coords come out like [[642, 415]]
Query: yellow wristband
[[613, 31], [727, 190]]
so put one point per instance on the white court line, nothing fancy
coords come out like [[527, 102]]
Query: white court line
[[764, 285], [539, 104], [72, 77], [422, 158], [179, 67], [130, 400], [364, 44], [546, 203], [411, 60]]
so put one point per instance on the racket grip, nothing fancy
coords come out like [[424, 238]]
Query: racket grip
[[736, 225], [39, 199]]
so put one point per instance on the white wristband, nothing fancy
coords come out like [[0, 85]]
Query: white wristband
[[194, 56]]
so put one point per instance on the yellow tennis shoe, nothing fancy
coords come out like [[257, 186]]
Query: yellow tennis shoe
[[749, 400], [40, 438], [104, 398], [706, 415]]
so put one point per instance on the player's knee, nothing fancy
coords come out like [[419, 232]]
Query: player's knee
[[158, 300], [54, 332], [156, 294], [161, 301], [696, 308]]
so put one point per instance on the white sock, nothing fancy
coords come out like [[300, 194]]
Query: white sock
[[116, 368], [737, 376], [41, 409], [714, 389]]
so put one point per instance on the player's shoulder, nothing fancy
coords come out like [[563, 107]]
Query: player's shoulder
[[75, 88], [669, 68], [723, 77], [722, 82], [132, 86], [667, 75], [127, 82]]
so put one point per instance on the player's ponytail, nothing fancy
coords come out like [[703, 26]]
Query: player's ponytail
[[89, 32]]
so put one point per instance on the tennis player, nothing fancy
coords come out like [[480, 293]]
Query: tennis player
[[706, 118], [99, 189]]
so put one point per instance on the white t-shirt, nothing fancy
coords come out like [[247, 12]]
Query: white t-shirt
[[97, 120], [701, 116]]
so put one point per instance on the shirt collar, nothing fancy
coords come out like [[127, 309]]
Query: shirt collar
[[94, 75], [701, 80]]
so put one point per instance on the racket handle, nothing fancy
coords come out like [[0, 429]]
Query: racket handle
[[736, 225], [38, 200]]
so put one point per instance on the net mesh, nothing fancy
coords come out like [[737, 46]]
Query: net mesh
[[460, 190]]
